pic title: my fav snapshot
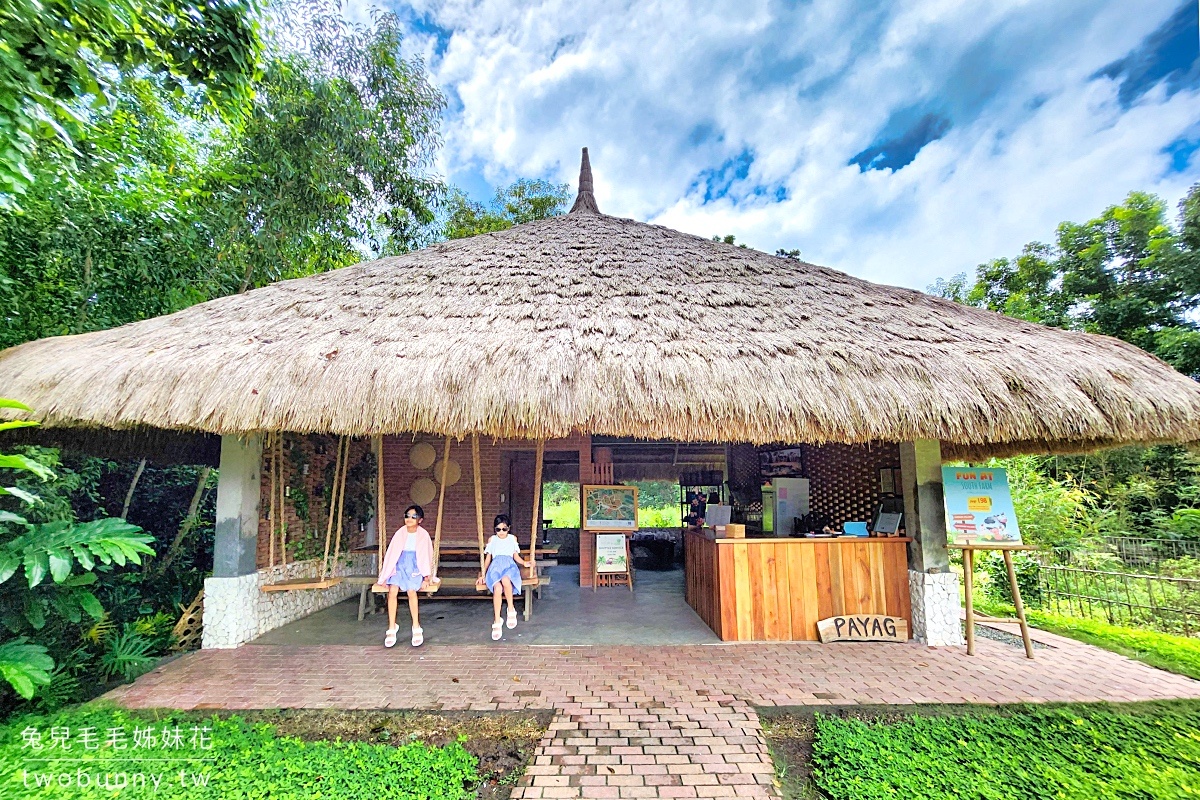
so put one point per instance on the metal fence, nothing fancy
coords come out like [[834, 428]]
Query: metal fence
[[1147, 554], [1158, 602]]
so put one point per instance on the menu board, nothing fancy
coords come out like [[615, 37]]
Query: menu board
[[979, 506]]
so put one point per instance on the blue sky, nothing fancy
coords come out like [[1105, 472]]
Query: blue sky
[[898, 141]]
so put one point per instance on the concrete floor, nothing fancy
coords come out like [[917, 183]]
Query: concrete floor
[[655, 613]]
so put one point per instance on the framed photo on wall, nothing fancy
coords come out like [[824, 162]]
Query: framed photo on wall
[[609, 508]]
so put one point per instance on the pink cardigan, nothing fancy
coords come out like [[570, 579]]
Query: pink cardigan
[[396, 546]]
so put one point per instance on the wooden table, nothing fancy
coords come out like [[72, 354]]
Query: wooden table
[[968, 585]]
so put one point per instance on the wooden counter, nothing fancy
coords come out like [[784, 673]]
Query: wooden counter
[[778, 588]]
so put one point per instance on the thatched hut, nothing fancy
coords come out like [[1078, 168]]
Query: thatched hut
[[590, 325]]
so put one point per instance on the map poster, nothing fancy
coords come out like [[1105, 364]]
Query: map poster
[[610, 508], [611, 555], [979, 507]]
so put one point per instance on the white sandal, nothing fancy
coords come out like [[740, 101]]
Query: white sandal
[[497, 631], [418, 637], [512, 617], [389, 639]]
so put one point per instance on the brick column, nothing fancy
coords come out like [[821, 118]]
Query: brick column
[[933, 587], [231, 594]]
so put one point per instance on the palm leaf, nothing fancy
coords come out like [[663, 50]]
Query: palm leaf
[[53, 548]]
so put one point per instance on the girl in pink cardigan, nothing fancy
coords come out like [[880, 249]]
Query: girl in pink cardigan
[[407, 565]]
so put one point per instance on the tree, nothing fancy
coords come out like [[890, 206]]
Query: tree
[[522, 201], [58, 56], [333, 162], [162, 207], [1127, 273]]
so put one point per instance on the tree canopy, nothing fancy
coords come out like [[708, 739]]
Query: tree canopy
[[58, 57], [157, 206], [522, 201], [1128, 273]]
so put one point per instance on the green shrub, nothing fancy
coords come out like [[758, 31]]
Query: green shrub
[[1071, 752], [1027, 571], [241, 760]]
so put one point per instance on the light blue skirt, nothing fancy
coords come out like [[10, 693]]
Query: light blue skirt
[[407, 576], [503, 567]]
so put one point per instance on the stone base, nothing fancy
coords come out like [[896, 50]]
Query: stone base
[[237, 610], [935, 604]]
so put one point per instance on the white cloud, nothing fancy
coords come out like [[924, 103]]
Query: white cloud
[[663, 92]]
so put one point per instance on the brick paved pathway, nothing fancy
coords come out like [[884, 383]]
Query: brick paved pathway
[[635, 721]]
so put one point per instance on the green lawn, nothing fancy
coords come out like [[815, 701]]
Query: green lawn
[[1178, 654], [138, 755], [1070, 752]]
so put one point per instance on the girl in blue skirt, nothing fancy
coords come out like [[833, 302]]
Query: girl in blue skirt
[[407, 567], [500, 573]]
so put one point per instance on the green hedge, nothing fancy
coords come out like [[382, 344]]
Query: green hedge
[[242, 760], [1066, 752]]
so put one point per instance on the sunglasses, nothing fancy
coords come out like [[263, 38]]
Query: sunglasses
[[412, 516], [502, 529]]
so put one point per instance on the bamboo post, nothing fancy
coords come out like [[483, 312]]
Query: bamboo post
[[381, 529], [271, 515], [337, 468], [478, 494], [437, 528], [340, 489], [282, 506], [537, 504]]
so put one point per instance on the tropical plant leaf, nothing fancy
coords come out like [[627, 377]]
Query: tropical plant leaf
[[16, 491], [16, 519], [26, 464], [13, 424], [90, 604], [6, 402], [53, 547], [127, 655], [25, 666]]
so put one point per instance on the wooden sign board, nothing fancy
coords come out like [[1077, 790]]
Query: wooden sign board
[[863, 628]]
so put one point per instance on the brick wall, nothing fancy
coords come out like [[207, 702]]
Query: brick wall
[[459, 520], [844, 479], [319, 453]]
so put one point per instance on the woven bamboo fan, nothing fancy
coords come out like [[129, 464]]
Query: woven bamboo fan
[[422, 491], [453, 471], [422, 455]]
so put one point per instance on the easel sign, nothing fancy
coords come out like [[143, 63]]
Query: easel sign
[[979, 506], [611, 567]]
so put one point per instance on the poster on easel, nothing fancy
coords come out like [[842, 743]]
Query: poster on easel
[[611, 553], [979, 506]]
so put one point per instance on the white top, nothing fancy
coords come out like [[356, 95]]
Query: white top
[[502, 547]]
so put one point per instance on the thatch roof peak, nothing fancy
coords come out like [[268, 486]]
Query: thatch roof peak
[[615, 327], [585, 200]]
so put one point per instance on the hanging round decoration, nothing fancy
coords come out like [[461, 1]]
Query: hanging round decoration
[[422, 491], [453, 471], [422, 455]]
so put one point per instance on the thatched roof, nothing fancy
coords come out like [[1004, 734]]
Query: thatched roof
[[609, 326]]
